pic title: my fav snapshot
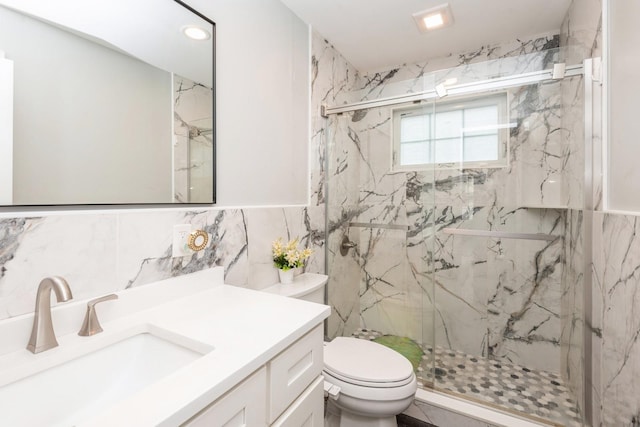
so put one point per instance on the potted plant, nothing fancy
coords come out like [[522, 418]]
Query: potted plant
[[287, 257]]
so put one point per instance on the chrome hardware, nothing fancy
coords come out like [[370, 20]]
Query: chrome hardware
[[42, 335], [458, 89], [91, 325], [346, 245]]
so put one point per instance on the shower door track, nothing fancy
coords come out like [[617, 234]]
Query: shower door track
[[461, 89]]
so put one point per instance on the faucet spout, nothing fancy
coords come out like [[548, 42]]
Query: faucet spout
[[42, 335]]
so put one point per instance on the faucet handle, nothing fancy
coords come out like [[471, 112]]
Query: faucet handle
[[91, 325]]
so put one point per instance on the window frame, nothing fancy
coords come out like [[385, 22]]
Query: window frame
[[501, 99]]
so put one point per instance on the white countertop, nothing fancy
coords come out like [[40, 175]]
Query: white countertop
[[246, 328]]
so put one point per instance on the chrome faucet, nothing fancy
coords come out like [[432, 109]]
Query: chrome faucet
[[42, 335]]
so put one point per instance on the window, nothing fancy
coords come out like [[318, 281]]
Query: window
[[471, 132]]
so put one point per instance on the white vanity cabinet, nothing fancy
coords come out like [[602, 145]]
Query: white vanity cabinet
[[286, 392], [239, 407]]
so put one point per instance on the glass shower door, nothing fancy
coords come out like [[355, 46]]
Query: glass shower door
[[377, 286], [499, 250], [459, 202]]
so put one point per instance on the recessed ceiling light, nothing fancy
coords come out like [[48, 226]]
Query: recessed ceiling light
[[434, 18], [196, 33], [433, 21]]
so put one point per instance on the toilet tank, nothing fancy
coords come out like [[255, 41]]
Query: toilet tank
[[307, 287]]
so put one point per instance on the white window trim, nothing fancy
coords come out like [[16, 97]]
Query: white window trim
[[450, 104]]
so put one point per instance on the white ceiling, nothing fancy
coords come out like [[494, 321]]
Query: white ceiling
[[376, 35]]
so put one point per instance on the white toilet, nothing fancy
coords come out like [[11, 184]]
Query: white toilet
[[368, 384]]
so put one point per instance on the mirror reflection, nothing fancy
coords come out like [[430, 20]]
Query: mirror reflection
[[105, 103]]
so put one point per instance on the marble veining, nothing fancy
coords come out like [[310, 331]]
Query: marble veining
[[514, 300], [193, 144], [493, 298], [507, 300], [616, 265], [331, 75], [11, 230], [99, 254], [516, 56], [582, 30]]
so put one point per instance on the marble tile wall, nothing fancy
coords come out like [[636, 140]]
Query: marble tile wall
[[572, 303], [616, 298], [490, 297], [193, 144], [331, 76], [615, 255], [581, 30], [107, 252], [466, 66]]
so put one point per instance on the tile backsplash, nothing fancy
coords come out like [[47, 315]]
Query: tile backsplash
[[104, 252]]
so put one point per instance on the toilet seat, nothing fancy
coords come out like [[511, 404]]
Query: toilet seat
[[379, 395], [345, 379], [366, 363]]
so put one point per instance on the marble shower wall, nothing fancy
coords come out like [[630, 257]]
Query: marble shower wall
[[615, 256], [490, 297], [108, 252], [572, 312], [193, 144], [332, 75], [582, 30], [616, 306]]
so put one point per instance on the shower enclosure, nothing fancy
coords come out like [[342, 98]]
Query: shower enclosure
[[454, 218], [193, 154]]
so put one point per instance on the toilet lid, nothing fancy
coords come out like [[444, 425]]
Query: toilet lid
[[366, 362]]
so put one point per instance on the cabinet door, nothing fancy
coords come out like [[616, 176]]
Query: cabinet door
[[243, 406], [307, 410], [291, 372]]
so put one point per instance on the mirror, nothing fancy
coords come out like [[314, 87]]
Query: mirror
[[105, 102]]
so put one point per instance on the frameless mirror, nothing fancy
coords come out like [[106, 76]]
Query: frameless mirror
[[105, 102]]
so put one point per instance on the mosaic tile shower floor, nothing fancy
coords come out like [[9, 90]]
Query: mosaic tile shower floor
[[512, 387]]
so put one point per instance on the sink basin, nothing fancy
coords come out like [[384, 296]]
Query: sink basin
[[83, 385]]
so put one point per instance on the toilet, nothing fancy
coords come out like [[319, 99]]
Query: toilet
[[367, 384]]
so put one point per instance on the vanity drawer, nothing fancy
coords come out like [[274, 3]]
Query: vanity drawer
[[307, 410], [243, 406], [293, 370]]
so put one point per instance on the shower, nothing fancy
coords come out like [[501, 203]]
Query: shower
[[459, 195], [193, 148]]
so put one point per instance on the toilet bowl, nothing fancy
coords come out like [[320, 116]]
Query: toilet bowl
[[375, 383], [367, 383]]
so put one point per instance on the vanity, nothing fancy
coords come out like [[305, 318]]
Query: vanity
[[184, 351]]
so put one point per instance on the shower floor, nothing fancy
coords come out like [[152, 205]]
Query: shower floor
[[514, 388]]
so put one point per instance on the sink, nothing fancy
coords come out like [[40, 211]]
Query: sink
[[81, 385]]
